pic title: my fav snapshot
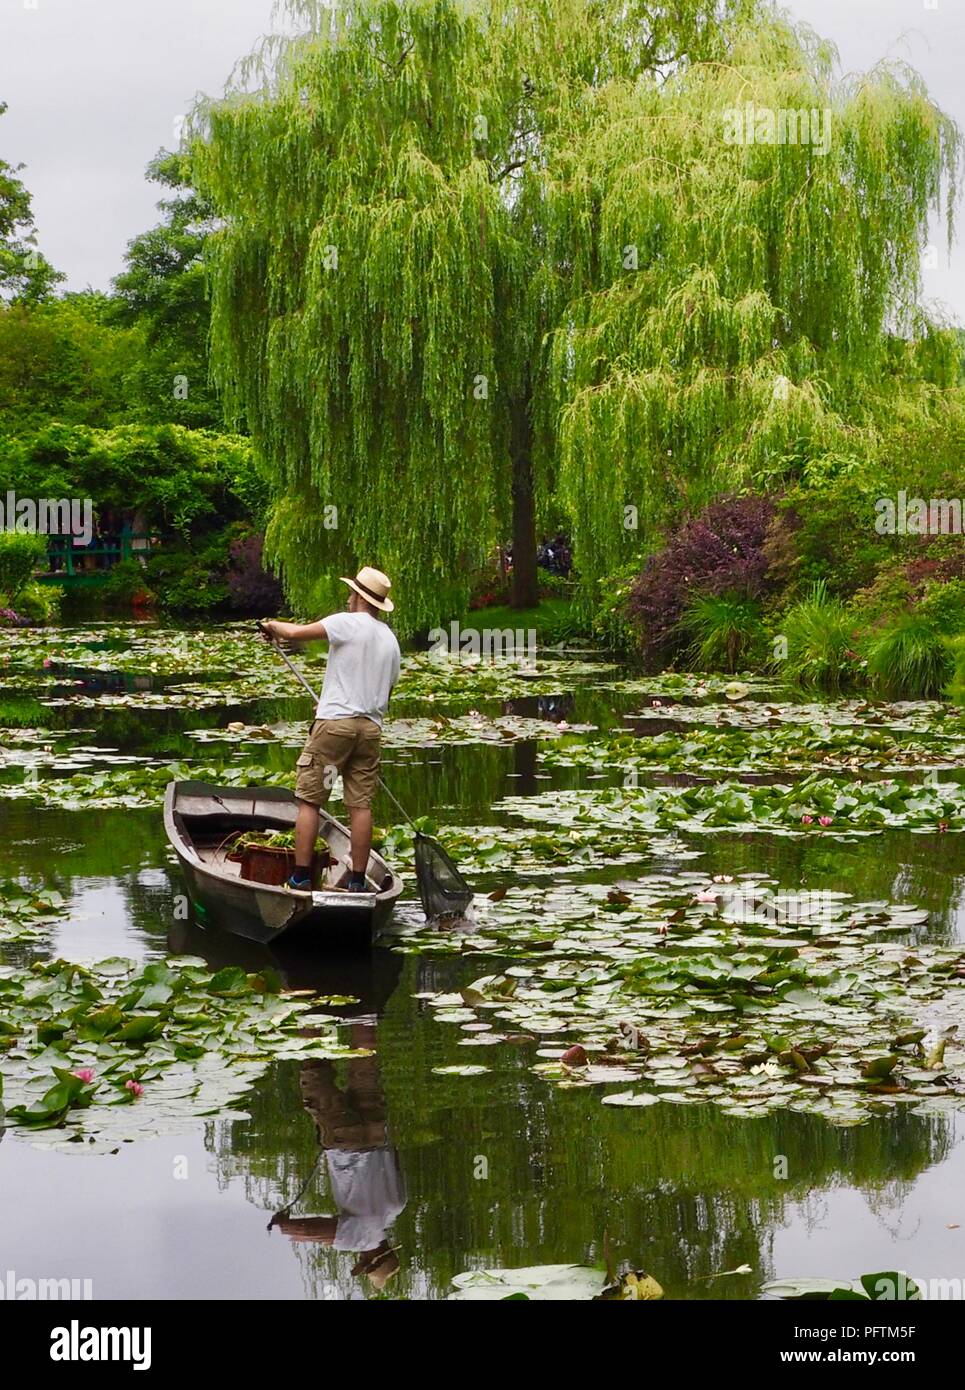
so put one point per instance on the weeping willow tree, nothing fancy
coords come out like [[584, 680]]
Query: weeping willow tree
[[406, 218], [753, 267]]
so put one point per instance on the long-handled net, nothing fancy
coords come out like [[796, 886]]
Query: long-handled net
[[443, 891]]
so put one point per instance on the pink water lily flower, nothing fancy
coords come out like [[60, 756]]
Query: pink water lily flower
[[807, 820], [825, 820], [135, 1088], [85, 1074], [705, 897]]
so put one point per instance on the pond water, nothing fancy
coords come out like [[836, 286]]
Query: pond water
[[498, 1169]]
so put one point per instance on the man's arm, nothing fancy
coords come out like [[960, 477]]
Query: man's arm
[[296, 632]]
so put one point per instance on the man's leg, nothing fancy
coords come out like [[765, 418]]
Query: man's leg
[[306, 833], [360, 777], [361, 824]]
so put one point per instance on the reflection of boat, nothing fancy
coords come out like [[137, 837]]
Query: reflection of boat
[[199, 821], [369, 978]]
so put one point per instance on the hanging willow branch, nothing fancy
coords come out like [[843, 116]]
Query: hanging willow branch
[[746, 309]]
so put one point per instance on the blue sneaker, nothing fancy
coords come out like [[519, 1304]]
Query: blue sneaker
[[299, 885]]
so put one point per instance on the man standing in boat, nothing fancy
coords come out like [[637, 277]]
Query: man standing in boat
[[346, 735]]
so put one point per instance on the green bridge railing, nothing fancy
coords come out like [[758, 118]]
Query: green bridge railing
[[72, 565]]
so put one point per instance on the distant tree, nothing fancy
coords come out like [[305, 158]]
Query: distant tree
[[163, 292], [65, 359], [25, 275]]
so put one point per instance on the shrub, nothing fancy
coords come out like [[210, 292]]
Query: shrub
[[910, 659], [126, 583], [955, 690], [608, 621], [190, 578], [726, 631], [892, 592], [21, 553], [818, 631], [721, 551], [489, 585], [835, 533], [944, 605], [40, 603]]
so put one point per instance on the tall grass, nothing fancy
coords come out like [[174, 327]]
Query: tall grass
[[819, 637], [726, 631], [910, 659]]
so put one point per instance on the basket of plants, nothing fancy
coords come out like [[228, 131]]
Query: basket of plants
[[270, 858]]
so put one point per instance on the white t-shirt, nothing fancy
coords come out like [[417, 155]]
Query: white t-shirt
[[363, 666], [369, 1192]]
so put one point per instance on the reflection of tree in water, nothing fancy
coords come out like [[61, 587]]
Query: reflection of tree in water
[[469, 776], [898, 866], [682, 1190]]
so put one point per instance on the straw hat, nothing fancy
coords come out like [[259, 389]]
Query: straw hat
[[373, 586]]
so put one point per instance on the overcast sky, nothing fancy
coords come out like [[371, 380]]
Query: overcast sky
[[95, 87]]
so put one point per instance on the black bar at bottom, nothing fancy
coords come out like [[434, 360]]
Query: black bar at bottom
[[728, 1338]]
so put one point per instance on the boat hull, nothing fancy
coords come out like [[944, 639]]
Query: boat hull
[[199, 819]]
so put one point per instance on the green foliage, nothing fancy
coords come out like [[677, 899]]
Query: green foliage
[[137, 356], [956, 686], [126, 582], [176, 477], [910, 659], [162, 293], [606, 609], [726, 631], [40, 603], [747, 341], [20, 554], [63, 359], [190, 577], [913, 446], [820, 637], [944, 606], [834, 530]]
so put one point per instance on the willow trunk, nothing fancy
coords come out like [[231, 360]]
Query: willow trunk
[[524, 593]]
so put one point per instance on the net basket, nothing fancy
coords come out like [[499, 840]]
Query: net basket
[[442, 888]]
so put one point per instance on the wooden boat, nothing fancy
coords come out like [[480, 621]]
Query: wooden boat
[[199, 821]]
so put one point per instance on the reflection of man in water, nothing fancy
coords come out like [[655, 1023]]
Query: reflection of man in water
[[363, 1167]]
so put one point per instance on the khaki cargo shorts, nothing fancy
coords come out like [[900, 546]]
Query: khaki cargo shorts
[[351, 747]]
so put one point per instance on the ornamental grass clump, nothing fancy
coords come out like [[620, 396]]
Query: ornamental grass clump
[[911, 659], [726, 631], [819, 643]]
